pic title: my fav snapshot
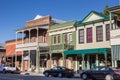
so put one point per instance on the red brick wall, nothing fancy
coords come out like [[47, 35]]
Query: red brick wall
[[41, 21], [10, 48]]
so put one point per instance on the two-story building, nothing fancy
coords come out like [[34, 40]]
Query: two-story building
[[92, 41], [35, 43], [115, 35], [62, 38]]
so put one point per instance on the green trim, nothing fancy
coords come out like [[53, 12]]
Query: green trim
[[88, 51], [62, 25], [80, 23]]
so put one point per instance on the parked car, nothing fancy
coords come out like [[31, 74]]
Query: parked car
[[59, 72], [101, 73], [9, 69], [2, 69]]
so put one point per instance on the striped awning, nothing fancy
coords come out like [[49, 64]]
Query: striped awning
[[115, 52]]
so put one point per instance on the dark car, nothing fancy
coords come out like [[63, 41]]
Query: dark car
[[59, 72], [101, 73]]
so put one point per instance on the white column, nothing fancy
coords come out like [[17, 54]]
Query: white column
[[22, 62], [97, 60], [115, 63], [88, 63], [110, 21], [22, 37], [29, 61], [83, 63]]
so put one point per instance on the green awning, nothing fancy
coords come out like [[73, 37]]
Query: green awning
[[88, 51]]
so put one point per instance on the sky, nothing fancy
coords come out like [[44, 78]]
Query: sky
[[15, 13]]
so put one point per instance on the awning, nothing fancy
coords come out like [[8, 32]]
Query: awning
[[88, 51]]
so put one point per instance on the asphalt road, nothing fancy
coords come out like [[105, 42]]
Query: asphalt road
[[31, 77]]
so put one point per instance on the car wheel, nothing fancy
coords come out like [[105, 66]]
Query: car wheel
[[59, 74], [108, 77], [84, 76], [46, 74]]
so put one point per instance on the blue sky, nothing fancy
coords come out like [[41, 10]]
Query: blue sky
[[14, 13]]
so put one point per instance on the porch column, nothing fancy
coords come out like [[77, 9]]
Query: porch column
[[76, 65], [50, 60], [88, 63], [64, 61], [22, 37], [29, 35], [115, 63], [37, 61], [22, 62], [97, 61], [105, 54], [83, 62], [110, 21], [29, 60]]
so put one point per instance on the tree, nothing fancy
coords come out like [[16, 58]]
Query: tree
[[106, 11]]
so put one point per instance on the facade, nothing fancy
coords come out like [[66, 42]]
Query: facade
[[115, 35], [10, 53], [92, 41], [2, 53], [62, 38], [35, 43]]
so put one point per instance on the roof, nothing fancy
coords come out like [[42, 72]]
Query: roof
[[2, 46], [66, 24], [115, 9], [101, 16]]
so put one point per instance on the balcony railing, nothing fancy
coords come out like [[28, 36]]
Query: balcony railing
[[62, 47]]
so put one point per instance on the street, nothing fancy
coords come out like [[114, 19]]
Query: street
[[31, 77]]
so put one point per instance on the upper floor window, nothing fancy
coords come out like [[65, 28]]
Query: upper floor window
[[99, 33], [81, 36], [107, 31], [89, 35], [68, 38], [56, 39]]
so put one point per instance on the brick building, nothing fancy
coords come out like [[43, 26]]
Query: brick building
[[2, 51]]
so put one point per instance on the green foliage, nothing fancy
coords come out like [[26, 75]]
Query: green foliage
[[106, 11]]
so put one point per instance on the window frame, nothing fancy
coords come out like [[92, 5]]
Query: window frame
[[82, 36], [89, 35], [100, 33]]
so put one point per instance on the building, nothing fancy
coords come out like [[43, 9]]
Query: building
[[2, 53], [35, 43], [62, 38], [10, 53], [115, 35], [92, 41]]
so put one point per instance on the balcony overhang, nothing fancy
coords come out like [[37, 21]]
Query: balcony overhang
[[29, 46], [115, 9]]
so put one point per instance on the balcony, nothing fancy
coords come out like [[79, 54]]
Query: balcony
[[62, 47], [29, 46]]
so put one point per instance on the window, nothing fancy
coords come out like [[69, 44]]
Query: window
[[58, 39], [99, 33], [81, 36], [89, 35], [54, 37], [68, 38], [107, 31]]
